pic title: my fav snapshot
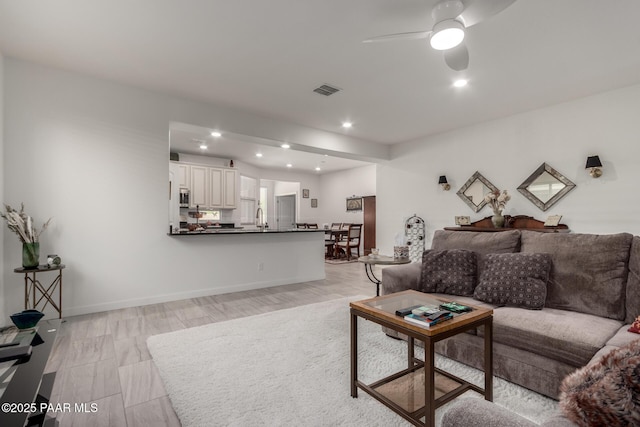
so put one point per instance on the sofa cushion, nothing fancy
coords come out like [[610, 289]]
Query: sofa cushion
[[517, 279], [633, 282], [589, 271], [566, 336], [396, 278], [482, 243], [605, 393], [479, 242], [451, 271], [622, 337]]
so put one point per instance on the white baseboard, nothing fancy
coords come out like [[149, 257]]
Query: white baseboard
[[114, 305]]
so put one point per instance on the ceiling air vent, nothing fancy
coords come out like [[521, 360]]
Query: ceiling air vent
[[326, 90]]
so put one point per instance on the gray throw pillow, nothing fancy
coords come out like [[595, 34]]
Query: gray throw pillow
[[517, 280], [450, 271]]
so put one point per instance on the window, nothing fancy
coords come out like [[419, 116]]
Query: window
[[248, 199], [264, 195]]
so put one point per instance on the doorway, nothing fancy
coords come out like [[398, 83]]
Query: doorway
[[286, 212]]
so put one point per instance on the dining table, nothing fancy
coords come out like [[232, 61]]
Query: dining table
[[335, 235]]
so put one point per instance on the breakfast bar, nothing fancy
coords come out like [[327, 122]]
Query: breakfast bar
[[231, 260]]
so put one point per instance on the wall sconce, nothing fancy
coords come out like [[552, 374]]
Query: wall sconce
[[594, 164], [443, 181]]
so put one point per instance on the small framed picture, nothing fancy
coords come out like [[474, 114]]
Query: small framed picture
[[552, 220], [354, 204], [305, 193], [314, 203], [463, 220]]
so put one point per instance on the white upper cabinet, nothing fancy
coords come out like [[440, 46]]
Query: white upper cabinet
[[184, 176], [199, 187], [216, 192], [230, 187], [212, 188]]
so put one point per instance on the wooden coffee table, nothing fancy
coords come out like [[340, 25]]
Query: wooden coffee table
[[415, 392]]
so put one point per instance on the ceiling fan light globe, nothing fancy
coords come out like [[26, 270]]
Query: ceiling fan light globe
[[447, 34]]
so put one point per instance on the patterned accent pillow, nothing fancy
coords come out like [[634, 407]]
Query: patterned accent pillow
[[451, 271], [517, 280], [635, 327]]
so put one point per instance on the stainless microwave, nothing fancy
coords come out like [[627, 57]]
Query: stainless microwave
[[184, 198]]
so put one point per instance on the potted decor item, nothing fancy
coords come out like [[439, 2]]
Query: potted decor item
[[22, 224], [497, 201], [26, 319]]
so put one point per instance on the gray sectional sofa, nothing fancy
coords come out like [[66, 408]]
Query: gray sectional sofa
[[592, 296]]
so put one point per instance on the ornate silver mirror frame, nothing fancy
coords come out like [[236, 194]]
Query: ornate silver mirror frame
[[545, 187], [476, 188]]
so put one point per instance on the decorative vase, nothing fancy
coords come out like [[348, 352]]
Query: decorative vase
[[30, 255], [26, 319], [497, 219]]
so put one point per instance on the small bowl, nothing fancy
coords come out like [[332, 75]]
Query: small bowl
[[26, 319]]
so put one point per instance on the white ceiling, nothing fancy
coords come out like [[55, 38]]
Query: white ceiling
[[186, 139], [267, 56]]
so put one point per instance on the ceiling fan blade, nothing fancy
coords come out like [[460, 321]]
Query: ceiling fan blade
[[479, 10], [400, 36], [457, 58]]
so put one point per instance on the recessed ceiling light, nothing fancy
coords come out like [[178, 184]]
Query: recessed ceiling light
[[318, 168], [460, 82], [289, 165], [258, 154], [285, 146], [347, 125], [203, 146], [216, 134]]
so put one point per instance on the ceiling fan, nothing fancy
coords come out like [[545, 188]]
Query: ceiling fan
[[451, 18]]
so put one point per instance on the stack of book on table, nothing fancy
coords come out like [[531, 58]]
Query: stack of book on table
[[427, 316]]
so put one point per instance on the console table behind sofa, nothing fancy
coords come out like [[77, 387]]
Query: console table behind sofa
[[519, 222]]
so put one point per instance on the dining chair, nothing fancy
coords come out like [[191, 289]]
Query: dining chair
[[332, 233], [350, 241], [301, 225], [312, 226], [330, 238]]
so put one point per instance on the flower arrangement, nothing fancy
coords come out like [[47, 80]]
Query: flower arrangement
[[22, 224], [497, 200]]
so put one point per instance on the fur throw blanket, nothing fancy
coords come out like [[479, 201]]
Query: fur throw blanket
[[606, 393]]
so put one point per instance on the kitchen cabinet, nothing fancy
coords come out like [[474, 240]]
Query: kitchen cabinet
[[184, 176], [199, 186], [230, 188], [213, 188], [216, 188]]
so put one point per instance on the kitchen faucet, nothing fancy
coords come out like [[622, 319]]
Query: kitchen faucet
[[259, 217]]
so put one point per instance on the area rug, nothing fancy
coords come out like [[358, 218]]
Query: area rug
[[291, 367], [340, 260]]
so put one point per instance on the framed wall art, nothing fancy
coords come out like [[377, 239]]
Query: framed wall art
[[305, 193], [314, 203], [354, 203]]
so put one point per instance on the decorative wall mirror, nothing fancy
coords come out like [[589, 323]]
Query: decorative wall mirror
[[545, 187], [474, 190]]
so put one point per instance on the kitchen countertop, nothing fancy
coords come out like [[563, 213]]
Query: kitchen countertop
[[246, 231]]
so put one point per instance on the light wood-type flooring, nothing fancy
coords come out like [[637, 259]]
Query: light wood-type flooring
[[102, 358]]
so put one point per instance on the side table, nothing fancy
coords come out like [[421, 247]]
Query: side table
[[32, 284], [369, 262]]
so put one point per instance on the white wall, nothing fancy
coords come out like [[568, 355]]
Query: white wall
[[94, 155], [507, 151], [337, 186], [304, 211]]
